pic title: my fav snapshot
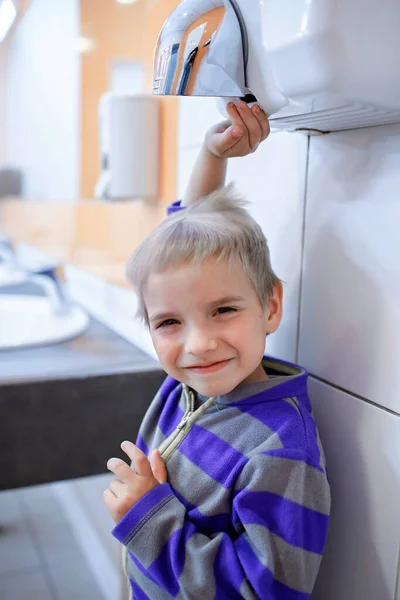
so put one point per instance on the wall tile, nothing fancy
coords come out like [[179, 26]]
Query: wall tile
[[186, 159], [350, 315], [273, 179], [362, 446], [196, 115]]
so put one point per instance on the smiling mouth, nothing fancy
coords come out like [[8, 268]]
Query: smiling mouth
[[211, 368]]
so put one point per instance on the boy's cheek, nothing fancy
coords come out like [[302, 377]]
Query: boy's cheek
[[167, 355]]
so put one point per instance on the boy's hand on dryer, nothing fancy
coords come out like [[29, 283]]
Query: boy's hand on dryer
[[132, 485], [240, 136]]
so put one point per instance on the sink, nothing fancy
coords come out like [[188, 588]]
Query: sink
[[31, 321]]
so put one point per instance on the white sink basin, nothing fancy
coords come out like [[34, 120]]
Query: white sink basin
[[31, 321]]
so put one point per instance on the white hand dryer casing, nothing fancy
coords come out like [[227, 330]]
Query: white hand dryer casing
[[311, 64], [335, 62]]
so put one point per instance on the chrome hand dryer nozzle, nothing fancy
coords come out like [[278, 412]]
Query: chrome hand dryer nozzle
[[202, 51]]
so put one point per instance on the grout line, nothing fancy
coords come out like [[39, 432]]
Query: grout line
[[353, 395], [303, 237], [397, 584]]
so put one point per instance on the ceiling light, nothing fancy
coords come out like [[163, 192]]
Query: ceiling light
[[7, 16], [126, 1]]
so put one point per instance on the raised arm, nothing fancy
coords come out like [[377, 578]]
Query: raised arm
[[239, 136]]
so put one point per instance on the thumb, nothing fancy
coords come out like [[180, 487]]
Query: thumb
[[158, 466], [221, 142]]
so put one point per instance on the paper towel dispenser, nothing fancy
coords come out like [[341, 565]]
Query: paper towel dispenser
[[320, 65], [129, 146]]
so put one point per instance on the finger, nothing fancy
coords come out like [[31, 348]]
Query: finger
[[112, 504], [158, 466], [110, 499], [252, 124], [227, 140], [221, 127], [139, 459], [263, 121], [117, 488], [123, 471], [235, 116]]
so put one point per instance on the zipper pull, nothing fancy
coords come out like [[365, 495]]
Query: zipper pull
[[184, 421]]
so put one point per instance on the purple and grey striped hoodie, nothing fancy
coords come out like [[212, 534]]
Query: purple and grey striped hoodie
[[246, 508]]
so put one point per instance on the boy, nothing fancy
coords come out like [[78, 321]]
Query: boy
[[234, 501]]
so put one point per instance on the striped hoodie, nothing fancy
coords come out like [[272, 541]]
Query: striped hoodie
[[245, 511]]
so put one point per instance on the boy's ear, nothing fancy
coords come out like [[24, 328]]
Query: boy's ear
[[273, 313]]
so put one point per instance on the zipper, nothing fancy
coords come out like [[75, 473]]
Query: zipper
[[184, 426], [187, 414]]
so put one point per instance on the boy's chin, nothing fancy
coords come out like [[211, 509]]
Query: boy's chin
[[211, 390]]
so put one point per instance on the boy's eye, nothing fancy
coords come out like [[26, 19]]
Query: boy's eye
[[166, 323], [225, 309]]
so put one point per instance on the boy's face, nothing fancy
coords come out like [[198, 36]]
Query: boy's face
[[207, 325]]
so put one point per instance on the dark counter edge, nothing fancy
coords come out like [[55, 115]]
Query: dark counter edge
[[127, 368], [67, 428]]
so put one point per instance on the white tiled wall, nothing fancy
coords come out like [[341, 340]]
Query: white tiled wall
[[350, 318], [349, 337], [362, 444], [272, 180]]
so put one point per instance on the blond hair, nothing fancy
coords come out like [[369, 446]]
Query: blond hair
[[216, 225]]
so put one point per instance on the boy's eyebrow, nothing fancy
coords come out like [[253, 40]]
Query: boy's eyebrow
[[171, 314], [161, 316], [226, 300]]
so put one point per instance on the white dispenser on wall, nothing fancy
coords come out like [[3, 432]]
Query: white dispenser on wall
[[129, 144], [312, 64]]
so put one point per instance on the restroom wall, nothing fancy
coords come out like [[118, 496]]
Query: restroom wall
[[94, 235], [330, 208], [21, 6], [3, 153], [123, 32], [349, 341], [57, 145], [116, 32], [42, 99]]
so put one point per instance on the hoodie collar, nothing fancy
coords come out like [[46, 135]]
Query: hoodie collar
[[285, 381]]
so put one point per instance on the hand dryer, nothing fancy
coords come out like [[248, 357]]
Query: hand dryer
[[320, 65]]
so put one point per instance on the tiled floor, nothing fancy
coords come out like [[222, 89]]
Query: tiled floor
[[40, 558]]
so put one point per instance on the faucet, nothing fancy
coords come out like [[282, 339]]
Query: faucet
[[7, 253], [49, 277]]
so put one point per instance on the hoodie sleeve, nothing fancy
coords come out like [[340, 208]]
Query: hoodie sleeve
[[280, 513]]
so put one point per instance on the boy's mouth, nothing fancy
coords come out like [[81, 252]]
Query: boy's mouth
[[209, 368]]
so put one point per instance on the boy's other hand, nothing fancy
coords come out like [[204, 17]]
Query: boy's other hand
[[132, 485], [241, 135]]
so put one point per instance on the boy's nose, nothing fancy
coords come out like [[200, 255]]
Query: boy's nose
[[199, 342]]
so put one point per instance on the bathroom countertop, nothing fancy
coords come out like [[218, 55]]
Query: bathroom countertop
[[65, 408]]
